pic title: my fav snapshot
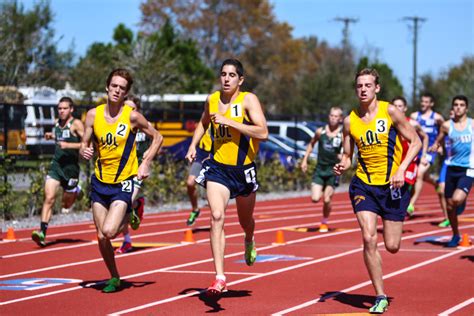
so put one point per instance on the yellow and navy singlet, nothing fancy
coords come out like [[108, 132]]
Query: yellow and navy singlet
[[206, 142], [380, 149], [117, 154], [229, 146]]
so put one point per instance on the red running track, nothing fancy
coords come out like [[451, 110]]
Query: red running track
[[313, 273]]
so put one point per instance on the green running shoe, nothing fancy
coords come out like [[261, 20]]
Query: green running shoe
[[411, 209], [134, 220], [112, 285], [444, 223], [38, 237], [381, 305], [250, 253], [192, 217]]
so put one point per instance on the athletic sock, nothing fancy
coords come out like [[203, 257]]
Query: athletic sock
[[220, 277], [127, 238], [324, 220], [44, 227]]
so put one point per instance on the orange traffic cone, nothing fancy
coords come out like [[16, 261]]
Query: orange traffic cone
[[280, 239], [465, 242], [188, 237], [10, 234]]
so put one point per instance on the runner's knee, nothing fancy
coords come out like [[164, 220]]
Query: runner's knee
[[392, 247], [109, 232], [217, 216], [370, 239]]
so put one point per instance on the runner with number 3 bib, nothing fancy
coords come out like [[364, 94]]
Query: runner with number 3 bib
[[378, 187]]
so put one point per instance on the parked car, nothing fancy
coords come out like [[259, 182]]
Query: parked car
[[302, 132], [297, 150]]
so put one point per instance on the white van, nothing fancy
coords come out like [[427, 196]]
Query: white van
[[40, 118], [302, 132]]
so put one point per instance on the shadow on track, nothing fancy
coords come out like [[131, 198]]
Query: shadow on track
[[98, 285], [355, 300], [213, 301], [64, 241]]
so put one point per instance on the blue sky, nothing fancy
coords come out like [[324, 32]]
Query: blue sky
[[444, 39]]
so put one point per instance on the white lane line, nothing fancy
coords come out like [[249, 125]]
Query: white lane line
[[208, 272], [366, 283], [178, 297], [306, 207], [198, 262], [161, 249], [203, 241], [39, 251], [198, 242], [294, 209], [457, 307]]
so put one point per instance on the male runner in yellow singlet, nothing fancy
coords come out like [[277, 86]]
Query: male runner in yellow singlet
[[237, 125], [379, 185], [113, 126]]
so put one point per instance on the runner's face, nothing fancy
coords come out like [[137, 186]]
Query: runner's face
[[335, 118], [117, 89], [64, 111], [426, 104], [366, 88], [400, 105], [230, 80], [459, 108]]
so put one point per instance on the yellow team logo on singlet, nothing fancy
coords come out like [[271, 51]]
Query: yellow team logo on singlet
[[379, 146], [117, 154], [229, 146]]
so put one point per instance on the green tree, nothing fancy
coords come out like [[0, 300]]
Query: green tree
[[455, 80], [161, 62], [29, 54], [90, 72]]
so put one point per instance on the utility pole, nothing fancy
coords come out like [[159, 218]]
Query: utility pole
[[345, 30], [416, 22]]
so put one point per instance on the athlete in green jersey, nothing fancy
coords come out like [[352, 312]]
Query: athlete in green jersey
[[329, 140], [64, 170]]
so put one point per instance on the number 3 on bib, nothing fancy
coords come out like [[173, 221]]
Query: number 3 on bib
[[396, 193]]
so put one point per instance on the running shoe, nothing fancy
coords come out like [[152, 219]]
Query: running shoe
[[217, 288], [250, 253], [192, 217], [454, 242], [134, 220], [126, 247], [323, 228], [38, 237], [140, 209], [411, 210], [381, 305], [444, 223], [112, 285]]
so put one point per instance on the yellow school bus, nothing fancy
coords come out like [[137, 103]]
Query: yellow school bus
[[12, 122]]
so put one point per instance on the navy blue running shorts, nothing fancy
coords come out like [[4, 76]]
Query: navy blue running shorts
[[240, 180], [458, 178], [105, 193], [390, 204]]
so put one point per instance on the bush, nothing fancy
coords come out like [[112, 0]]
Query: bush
[[166, 184]]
